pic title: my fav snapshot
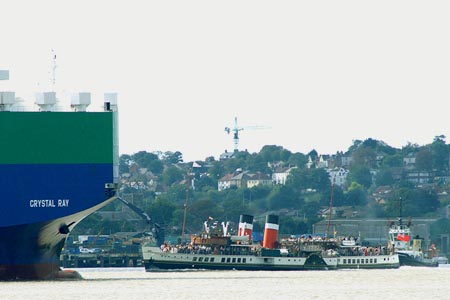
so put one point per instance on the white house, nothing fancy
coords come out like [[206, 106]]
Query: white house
[[279, 176], [339, 175]]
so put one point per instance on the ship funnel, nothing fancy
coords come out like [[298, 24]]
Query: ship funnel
[[110, 101], [271, 232], [246, 226], [80, 101], [45, 100]]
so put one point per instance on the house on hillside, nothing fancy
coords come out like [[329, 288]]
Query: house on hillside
[[279, 176], [322, 162], [419, 177], [259, 179], [237, 180], [226, 155], [339, 175], [382, 193], [346, 160], [409, 161]]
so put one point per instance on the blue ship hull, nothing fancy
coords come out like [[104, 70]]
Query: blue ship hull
[[31, 251], [47, 201], [41, 193]]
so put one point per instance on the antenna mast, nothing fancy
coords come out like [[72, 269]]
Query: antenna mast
[[53, 72], [331, 206], [186, 206]]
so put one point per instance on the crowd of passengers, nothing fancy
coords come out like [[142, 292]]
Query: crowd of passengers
[[295, 247], [190, 248], [330, 246]]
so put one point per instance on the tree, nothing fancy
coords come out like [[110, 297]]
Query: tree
[[298, 159], [365, 156], [205, 182], [311, 213], [361, 174], [356, 195], [172, 157], [162, 210], [356, 144], [440, 153], [338, 196], [256, 163], [124, 163], [148, 160], [200, 210], [273, 153], [391, 161], [411, 202], [424, 160], [171, 175], [384, 177], [292, 225], [283, 197], [304, 179], [217, 170], [370, 143]]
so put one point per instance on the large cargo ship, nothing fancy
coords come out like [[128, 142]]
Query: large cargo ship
[[56, 168]]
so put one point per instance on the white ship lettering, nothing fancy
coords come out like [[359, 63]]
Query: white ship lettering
[[63, 202], [35, 203], [42, 203]]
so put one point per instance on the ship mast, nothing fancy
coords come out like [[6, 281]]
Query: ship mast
[[186, 206], [331, 206], [53, 71]]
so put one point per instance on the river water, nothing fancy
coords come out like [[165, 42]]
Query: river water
[[135, 283]]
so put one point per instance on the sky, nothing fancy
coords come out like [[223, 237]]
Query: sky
[[312, 74]]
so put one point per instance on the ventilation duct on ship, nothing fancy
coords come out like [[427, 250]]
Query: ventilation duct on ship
[[4, 74], [7, 100], [110, 101], [80, 101], [271, 232], [45, 100]]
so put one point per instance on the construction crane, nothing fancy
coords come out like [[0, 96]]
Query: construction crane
[[236, 130]]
